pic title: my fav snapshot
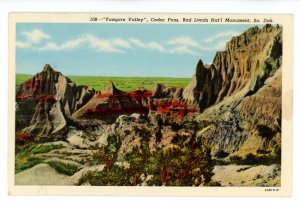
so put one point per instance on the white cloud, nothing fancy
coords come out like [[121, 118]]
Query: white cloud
[[101, 44], [66, 45], [184, 41], [23, 44], [188, 45], [39, 40], [137, 42], [220, 45], [36, 36], [50, 46], [72, 43], [148, 45], [182, 50], [33, 37], [89, 41], [155, 46], [183, 45], [121, 43], [220, 35], [180, 45]]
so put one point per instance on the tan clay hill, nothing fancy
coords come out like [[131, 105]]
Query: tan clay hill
[[240, 93], [247, 61]]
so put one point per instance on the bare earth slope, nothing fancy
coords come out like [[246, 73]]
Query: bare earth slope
[[254, 126], [247, 175]]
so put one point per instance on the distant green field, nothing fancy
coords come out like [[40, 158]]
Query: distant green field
[[20, 78], [122, 83]]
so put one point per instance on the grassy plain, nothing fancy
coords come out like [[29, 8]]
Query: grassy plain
[[21, 78], [122, 83]]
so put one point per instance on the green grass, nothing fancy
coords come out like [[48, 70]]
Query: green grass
[[129, 83], [25, 154], [26, 157], [20, 166], [34, 148], [46, 148], [122, 83], [21, 78], [64, 168], [23, 151]]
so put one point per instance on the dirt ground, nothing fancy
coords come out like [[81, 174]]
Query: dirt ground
[[247, 175]]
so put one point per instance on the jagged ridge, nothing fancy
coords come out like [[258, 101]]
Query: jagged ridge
[[247, 61]]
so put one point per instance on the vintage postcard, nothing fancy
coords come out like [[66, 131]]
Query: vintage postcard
[[150, 104]]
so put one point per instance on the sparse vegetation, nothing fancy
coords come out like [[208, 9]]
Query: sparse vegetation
[[251, 159], [64, 168], [221, 154], [116, 177], [29, 163], [194, 125], [25, 154], [187, 163], [214, 184], [39, 149], [30, 148]]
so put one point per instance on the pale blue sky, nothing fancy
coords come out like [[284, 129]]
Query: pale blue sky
[[156, 50]]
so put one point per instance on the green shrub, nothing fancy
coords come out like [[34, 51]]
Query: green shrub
[[251, 159], [214, 184], [45, 148], [25, 150], [221, 154], [195, 126], [64, 168], [28, 164], [115, 177]]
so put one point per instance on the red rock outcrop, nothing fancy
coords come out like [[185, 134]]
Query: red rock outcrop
[[111, 102], [45, 101], [52, 83]]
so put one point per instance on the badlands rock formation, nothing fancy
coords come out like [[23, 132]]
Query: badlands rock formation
[[233, 105], [45, 102], [240, 94], [245, 64], [60, 87]]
